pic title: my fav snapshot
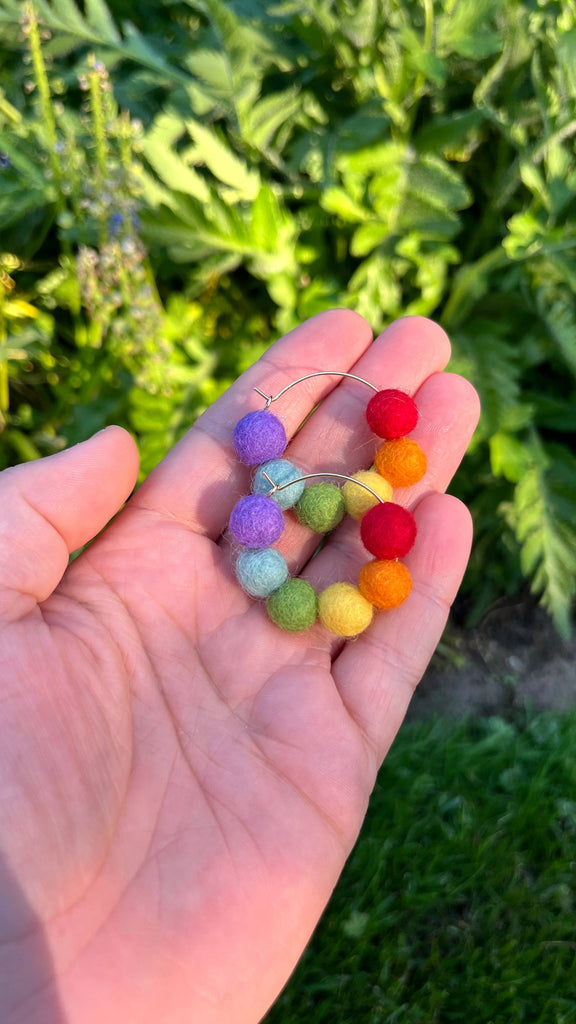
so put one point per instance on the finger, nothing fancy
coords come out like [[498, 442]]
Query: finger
[[377, 673], [449, 410], [53, 506], [201, 478]]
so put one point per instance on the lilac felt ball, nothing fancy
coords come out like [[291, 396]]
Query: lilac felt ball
[[256, 521], [258, 437]]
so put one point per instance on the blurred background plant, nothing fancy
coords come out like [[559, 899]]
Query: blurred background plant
[[182, 181]]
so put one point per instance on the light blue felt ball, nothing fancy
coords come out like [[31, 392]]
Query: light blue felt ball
[[281, 472], [260, 572]]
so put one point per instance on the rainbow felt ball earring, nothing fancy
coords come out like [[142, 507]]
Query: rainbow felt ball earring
[[387, 529]]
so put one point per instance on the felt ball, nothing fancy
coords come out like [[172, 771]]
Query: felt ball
[[357, 499], [256, 521], [388, 531], [294, 606], [385, 584], [401, 462], [321, 507], [280, 471], [343, 610], [258, 437], [391, 413], [261, 571]]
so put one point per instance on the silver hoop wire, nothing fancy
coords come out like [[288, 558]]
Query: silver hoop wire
[[319, 373], [310, 476]]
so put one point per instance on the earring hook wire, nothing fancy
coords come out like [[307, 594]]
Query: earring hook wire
[[319, 373], [310, 476]]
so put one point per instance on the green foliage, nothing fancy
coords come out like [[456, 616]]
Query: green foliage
[[458, 899], [403, 157]]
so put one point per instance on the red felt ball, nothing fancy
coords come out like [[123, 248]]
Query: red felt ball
[[388, 530], [391, 414]]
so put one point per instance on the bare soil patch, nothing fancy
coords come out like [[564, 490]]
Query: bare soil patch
[[514, 659]]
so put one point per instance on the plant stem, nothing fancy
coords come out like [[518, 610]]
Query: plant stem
[[99, 136], [125, 142], [4, 382], [428, 24], [43, 86], [420, 81]]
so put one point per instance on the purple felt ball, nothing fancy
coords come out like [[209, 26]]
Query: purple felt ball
[[258, 437], [256, 521]]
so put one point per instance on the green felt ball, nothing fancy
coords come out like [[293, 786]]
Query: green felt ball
[[293, 606], [321, 507]]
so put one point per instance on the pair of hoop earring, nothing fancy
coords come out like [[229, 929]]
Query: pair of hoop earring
[[387, 529]]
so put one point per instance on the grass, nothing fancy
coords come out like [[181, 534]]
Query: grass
[[458, 902]]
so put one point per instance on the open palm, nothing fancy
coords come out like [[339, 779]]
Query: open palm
[[180, 781]]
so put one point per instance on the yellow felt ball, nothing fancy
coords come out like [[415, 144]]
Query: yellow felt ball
[[343, 610], [401, 462], [357, 499], [385, 584]]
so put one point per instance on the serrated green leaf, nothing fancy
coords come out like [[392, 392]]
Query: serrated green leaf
[[170, 167], [496, 372], [545, 508], [31, 169], [18, 202], [560, 320], [566, 50], [266, 219], [99, 16], [376, 290], [421, 59], [509, 457], [367, 237], [212, 68], [223, 162], [359, 26], [417, 215], [68, 15], [432, 181], [264, 118], [532, 178], [383, 158], [450, 134], [464, 29], [95, 27], [192, 231], [338, 201]]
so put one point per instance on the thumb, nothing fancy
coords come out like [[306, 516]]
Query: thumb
[[51, 507]]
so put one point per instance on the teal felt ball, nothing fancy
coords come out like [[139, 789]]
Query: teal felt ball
[[280, 472], [260, 572]]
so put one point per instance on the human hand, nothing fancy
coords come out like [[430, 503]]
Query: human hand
[[180, 781]]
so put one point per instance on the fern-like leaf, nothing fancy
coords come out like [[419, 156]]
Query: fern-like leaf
[[495, 371], [561, 323], [171, 168], [545, 517], [223, 163], [263, 119], [95, 27]]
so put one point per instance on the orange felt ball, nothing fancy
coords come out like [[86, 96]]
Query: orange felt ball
[[385, 584], [401, 462]]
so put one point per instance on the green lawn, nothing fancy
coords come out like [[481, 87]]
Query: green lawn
[[458, 901]]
